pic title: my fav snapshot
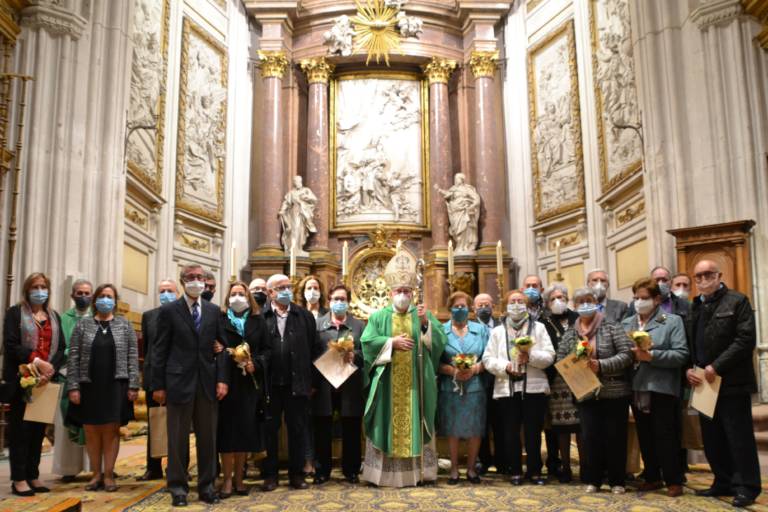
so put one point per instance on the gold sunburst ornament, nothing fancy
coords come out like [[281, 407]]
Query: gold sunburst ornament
[[375, 29]]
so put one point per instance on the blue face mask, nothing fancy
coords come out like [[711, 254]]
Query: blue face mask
[[339, 308], [587, 309], [664, 289], [167, 297], [284, 297], [533, 294], [105, 304], [459, 314], [38, 297]]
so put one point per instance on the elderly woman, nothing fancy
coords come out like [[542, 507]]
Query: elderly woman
[[521, 386], [32, 334], [103, 382], [603, 416], [563, 413], [656, 384], [461, 403]]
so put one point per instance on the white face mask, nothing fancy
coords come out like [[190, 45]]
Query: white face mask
[[599, 289], [516, 311], [681, 293], [401, 301], [194, 288], [644, 306], [312, 296], [238, 303], [559, 306]]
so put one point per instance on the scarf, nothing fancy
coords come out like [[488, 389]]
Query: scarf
[[590, 332], [517, 325], [29, 334], [238, 322]]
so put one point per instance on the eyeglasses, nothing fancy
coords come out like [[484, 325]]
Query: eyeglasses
[[706, 275], [194, 277]]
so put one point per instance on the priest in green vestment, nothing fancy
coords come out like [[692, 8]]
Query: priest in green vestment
[[402, 344]]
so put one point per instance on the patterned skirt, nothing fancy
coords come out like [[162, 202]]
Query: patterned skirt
[[562, 408], [460, 415]]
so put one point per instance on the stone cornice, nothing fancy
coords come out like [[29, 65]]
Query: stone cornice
[[716, 12], [54, 19]]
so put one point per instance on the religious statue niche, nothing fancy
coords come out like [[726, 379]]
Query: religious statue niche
[[296, 217], [463, 204], [379, 171]]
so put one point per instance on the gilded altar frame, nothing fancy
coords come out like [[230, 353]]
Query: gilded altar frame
[[362, 227]]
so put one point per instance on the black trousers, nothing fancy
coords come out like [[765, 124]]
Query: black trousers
[[729, 444], [153, 465], [553, 449], [660, 438], [296, 411], [604, 440], [351, 453], [526, 414], [25, 442]]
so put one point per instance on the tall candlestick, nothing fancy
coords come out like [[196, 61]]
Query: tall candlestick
[[344, 258], [450, 258], [233, 259], [499, 259], [292, 265], [557, 257]]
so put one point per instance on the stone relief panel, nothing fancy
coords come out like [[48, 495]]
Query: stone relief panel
[[555, 126], [146, 112], [201, 146], [379, 168], [619, 127]]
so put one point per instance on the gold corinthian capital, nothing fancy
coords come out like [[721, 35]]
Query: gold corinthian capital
[[273, 63], [483, 63], [318, 70], [438, 71]]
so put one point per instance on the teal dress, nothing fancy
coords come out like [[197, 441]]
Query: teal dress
[[461, 412]]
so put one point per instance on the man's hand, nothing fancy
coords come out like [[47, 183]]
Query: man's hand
[[132, 395], [402, 343], [421, 309], [349, 357], [44, 367], [693, 379], [249, 367], [218, 348], [594, 365], [522, 357], [74, 397], [221, 390], [642, 355], [710, 373], [159, 396]]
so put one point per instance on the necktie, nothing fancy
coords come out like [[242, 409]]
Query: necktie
[[600, 308], [196, 315]]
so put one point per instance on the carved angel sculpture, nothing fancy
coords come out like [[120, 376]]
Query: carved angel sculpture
[[296, 215]]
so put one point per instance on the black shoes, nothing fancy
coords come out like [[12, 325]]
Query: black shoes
[[713, 492], [516, 480], [211, 499], [149, 475], [270, 484], [298, 483], [28, 492], [68, 479], [39, 488], [320, 479], [565, 477], [473, 479], [538, 480], [179, 501], [352, 479], [454, 480], [742, 500]]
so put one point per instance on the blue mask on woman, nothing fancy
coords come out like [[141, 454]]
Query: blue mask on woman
[[339, 308], [284, 297], [167, 297], [587, 309], [459, 314], [105, 304], [38, 297]]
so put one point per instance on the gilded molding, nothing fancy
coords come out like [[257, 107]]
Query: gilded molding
[[483, 63], [438, 71], [273, 63], [565, 241], [195, 243], [759, 9], [630, 213], [135, 217], [318, 70]]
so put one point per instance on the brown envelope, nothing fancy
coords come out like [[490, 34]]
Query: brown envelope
[[45, 401], [576, 373], [158, 432]]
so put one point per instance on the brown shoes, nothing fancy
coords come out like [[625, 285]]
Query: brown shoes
[[650, 486], [673, 491]]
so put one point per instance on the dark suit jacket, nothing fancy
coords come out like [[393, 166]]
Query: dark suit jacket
[[149, 337], [184, 358], [615, 311]]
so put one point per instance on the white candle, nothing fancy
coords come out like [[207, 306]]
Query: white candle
[[557, 257], [292, 265], [344, 258], [397, 247], [499, 259], [233, 257], [450, 258]]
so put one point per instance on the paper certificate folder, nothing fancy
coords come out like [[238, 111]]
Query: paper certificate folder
[[332, 366], [45, 401], [704, 396], [576, 373]]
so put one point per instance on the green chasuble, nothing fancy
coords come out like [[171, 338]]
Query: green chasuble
[[392, 409], [69, 320]]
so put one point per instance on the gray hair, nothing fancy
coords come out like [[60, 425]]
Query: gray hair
[[275, 278], [582, 293], [186, 268], [81, 282], [168, 280], [554, 287], [209, 276], [594, 270], [661, 267]]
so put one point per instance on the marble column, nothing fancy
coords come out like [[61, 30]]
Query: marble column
[[490, 178], [438, 72], [318, 171], [272, 164]]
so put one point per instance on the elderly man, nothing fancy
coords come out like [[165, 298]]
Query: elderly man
[[723, 344], [681, 285], [294, 344], [533, 288], [258, 289], [167, 292], [402, 345], [614, 310]]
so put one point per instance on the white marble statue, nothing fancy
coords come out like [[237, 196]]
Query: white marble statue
[[339, 38], [410, 26], [397, 4], [463, 204], [296, 216]]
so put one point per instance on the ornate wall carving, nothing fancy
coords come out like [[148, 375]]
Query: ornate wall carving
[[145, 125], [201, 145], [555, 124]]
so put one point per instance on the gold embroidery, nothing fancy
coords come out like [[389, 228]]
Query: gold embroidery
[[402, 383]]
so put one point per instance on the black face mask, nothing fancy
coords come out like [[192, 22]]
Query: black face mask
[[260, 298], [484, 314], [82, 302], [207, 295]]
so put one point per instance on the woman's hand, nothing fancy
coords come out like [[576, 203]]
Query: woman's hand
[[522, 357], [44, 367], [74, 397], [249, 367], [218, 348], [642, 355], [132, 395], [349, 357], [693, 379], [510, 368], [594, 365], [463, 375]]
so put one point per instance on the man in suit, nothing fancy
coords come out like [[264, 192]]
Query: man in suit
[[614, 310], [294, 344], [189, 377], [168, 292], [670, 303]]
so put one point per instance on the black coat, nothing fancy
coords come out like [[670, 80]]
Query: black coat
[[351, 391], [301, 342], [729, 339], [149, 338], [555, 330], [15, 354], [183, 357]]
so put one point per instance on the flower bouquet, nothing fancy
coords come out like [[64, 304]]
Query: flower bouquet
[[642, 339], [462, 362], [343, 345], [241, 355], [29, 379], [583, 349]]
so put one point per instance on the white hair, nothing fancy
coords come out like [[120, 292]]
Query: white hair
[[275, 278], [551, 288], [589, 274]]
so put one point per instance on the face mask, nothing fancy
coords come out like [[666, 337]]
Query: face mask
[[284, 297], [339, 308], [105, 304], [664, 289], [82, 302], [559, 307], [587, 309], [533, 294], [516, 311], [312, 296], [38, 297], [238, 303], [207, 295], [167, 297], [401, 301], [484, 314], [599, 290], [260, 298], [194, 288], [681, 293], [644, 306], [459, 314]]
